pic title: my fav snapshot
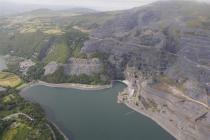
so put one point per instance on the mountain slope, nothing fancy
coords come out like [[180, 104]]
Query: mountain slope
[[172, 28], [12, 8], [162, 50]]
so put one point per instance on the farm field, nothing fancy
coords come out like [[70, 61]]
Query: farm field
[[9, 80]]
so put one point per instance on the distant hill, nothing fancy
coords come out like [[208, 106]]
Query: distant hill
[[38, 12], [80, 10], [8, 8], [44, 12]]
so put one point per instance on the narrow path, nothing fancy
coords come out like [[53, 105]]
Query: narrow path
[[61, 132], [51, 130], [177, 93], [180, 94], [197, 64], [16, 115]]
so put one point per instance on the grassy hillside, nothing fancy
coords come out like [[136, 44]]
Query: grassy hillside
[[25, 35], [90, 21], [59, 53], [75, 40], [24, 45]]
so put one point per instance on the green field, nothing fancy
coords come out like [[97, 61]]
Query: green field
[[16, 131], [9, 80], [8, 99]]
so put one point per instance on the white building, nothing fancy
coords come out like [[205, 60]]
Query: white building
[[25, 65]]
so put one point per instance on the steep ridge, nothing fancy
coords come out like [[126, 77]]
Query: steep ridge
[[162, 50]]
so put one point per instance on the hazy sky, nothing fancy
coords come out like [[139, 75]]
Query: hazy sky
[[96, 4]]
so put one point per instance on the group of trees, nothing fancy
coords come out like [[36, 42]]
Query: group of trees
[[75, 40], [3, 125], [57, 77], [34, 72], [31, 109]]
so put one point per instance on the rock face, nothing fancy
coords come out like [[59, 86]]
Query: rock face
[[2, 89], [47, 45], [77, 66], [163, 51], [51, 68], [182, 116]]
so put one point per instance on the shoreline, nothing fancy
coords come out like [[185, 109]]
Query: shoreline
[[59, 130], [131, 106], [69, 85], [74, 86], [66, 85], [152, 118], [93, 87]]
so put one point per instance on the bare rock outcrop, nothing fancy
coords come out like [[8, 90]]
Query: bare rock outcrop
[[77, 66], [182, 116], [51, 68]]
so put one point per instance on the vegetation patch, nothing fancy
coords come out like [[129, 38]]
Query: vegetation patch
[[75, 41], [16, 131], [23, 45], [9, 99], [34, 72], [54, 32], [21, 127], [59, 53], [4, 75], [9, 80]]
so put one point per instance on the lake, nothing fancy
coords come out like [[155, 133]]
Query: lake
[[94, 115], [2, 63]]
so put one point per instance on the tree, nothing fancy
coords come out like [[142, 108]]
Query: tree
[[35, 72]]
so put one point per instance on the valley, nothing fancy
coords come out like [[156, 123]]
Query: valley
[[160, 51]]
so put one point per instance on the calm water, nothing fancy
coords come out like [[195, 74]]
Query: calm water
[[2, 63], [94, 115]]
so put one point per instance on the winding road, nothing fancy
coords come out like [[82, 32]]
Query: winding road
[[16, 115], [178, 93]]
